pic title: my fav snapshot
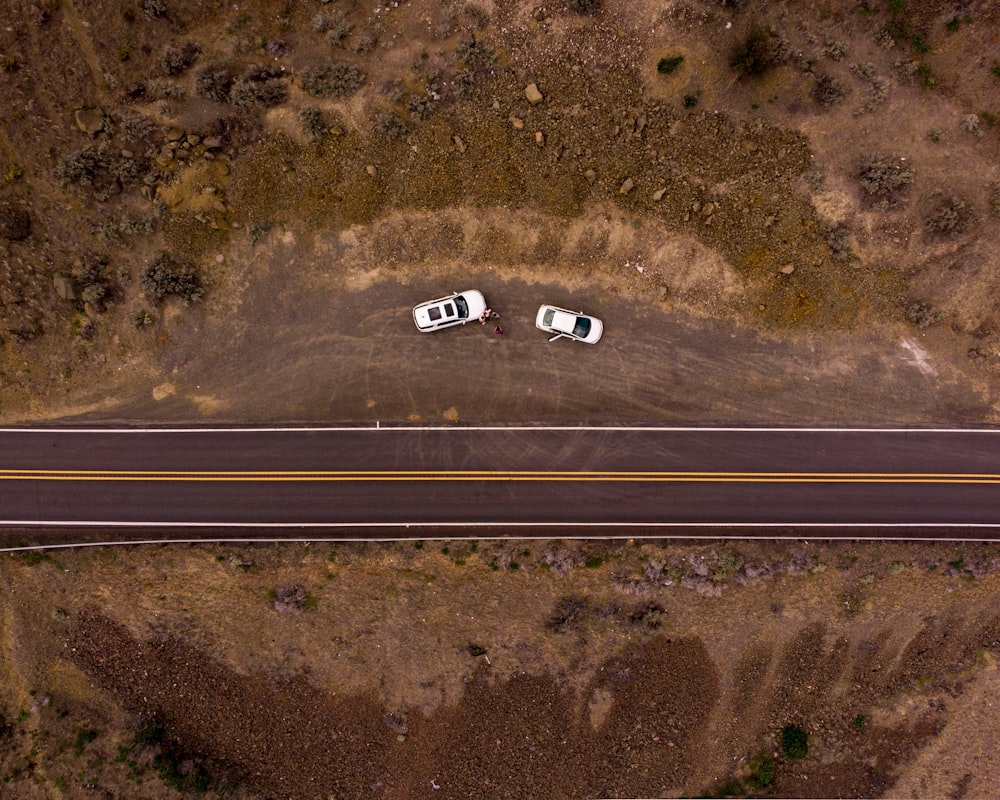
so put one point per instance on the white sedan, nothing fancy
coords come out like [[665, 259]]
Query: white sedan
[[455, 309], [570, 324]]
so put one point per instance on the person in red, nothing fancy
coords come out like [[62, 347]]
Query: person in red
[[498, 331]]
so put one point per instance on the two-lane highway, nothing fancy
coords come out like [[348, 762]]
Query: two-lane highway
[[519, 480]]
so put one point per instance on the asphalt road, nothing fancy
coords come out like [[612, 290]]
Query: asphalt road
[[406, 481]]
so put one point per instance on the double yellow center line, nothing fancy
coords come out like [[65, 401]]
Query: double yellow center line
[[277, 476]]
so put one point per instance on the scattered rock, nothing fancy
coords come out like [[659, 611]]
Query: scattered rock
[[626, 187], [174, 134], [696, 206], [539, 138], [708, 209], [212, 142], [534, 96], [459, 144], [788, 269], [370, 169], [89, 120], [590, 175], [658, 195], [65, 286], [193, 139], [517, 122]]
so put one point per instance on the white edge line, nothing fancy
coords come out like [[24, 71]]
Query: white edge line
[[504, 428], [389, 539], [407, 525]]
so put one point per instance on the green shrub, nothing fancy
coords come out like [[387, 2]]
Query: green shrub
[[390, 125], [83, 738], [995, 69], [215, 83], [690, 100], [761, 772], [794, 742], [176, 60], [165, 277], [667, 65], [949, 215], [922, 315], [476, 54], [588, 7], [334, 80], [312, 122], [884, 177]]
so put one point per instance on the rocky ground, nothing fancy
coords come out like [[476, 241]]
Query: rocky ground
[[783, 212], [513, 669]]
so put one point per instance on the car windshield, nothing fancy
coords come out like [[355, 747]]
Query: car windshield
[[463, 307], [582, 327]]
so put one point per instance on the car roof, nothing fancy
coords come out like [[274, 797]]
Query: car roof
[[563, 321]]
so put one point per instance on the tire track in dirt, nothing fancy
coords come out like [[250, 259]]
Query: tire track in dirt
[[78, 28]]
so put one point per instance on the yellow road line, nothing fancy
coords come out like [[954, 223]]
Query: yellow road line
[[496, 475]]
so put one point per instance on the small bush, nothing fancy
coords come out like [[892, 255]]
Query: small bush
[[419, 106], [690, 100], [922, 315], [995, 69], [311, 119], [292, 598], [754, 55], [667, 65], [176, 60], [569, 612], [587, 7], [762, 770], [476, 54], [215, 83], [839, 241], [142, 318], [828, 91], [163, 89], [154, 9], [165, 277], [335, 80], [136, 128], [15, 222], [247, 93], [83, 738], [794, 742], [390, 125], [949, 215], [884, 177]]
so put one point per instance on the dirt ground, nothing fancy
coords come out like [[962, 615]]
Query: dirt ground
[[719, 220], [514, 669], [796, 222]]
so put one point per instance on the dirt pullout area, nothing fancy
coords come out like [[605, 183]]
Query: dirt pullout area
[[501, 669], [805, 192]]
